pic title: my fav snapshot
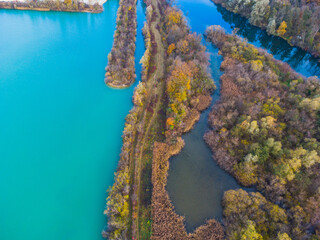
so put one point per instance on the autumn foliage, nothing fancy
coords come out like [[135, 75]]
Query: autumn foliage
[[267, 136], [251, 216], [298, 22], [188, 79], [282, 28]]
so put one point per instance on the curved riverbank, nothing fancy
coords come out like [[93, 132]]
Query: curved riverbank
[[296, 23]]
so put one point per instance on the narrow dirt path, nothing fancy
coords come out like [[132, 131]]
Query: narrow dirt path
[[156, 86]]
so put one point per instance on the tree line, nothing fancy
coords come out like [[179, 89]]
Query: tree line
[[298, 22], [54, 5]]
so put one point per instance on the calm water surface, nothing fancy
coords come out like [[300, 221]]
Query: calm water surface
[[195, 183], [60, 134]]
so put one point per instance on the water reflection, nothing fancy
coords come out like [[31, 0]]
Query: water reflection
[[196, 183], [299, 59]]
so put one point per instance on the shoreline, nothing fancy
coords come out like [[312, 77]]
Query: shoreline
[[265, 27], [52, 6], [116, 87]]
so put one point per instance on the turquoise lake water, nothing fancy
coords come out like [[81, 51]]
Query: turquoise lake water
[[61, 126], [60, 134]]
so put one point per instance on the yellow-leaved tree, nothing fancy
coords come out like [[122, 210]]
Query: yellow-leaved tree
[[282, 28]]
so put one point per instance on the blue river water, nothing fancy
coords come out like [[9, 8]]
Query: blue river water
[[60, 134], [61, 126]]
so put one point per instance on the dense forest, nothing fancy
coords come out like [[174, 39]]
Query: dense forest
[[120, 72], [66, 5], [266, 132], [298, 22]]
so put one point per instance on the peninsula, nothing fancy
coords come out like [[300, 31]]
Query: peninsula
[[120, 72]]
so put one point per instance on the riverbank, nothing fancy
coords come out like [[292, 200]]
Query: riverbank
[[120, 72], [265, 132], [53, 6], [297, 23]]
